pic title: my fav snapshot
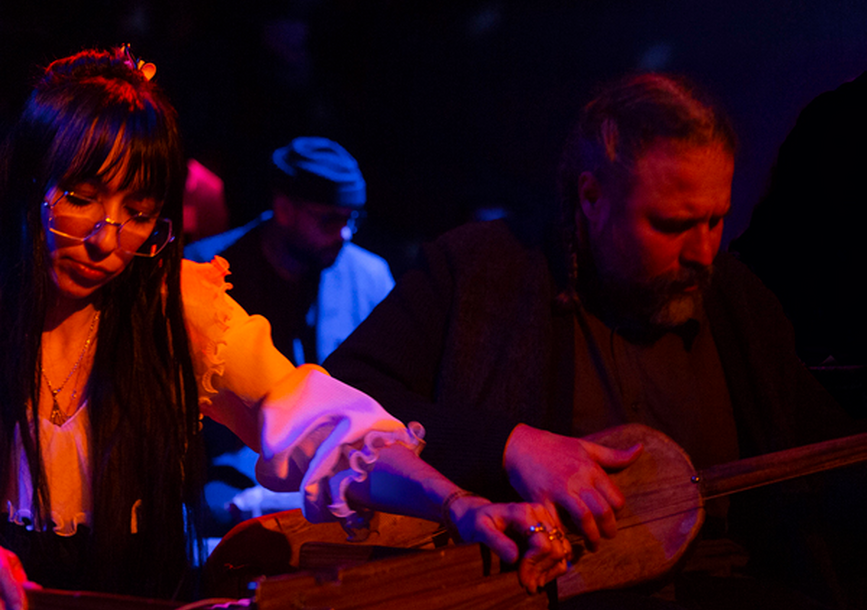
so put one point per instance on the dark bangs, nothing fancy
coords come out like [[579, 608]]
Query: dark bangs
[[108, 129]]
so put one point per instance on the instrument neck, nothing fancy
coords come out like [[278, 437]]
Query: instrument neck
[[725, 479]]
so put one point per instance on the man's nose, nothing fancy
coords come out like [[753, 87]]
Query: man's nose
[[700, 247]]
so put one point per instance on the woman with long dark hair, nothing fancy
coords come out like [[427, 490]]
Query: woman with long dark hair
[[112, 344]]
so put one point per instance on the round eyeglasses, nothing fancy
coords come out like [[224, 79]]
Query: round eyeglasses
[[79, 218]]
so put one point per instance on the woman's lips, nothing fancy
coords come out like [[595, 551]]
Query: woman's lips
[[87, 272]]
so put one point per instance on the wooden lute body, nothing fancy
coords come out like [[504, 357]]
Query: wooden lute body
[[664, 512], [665, 499]]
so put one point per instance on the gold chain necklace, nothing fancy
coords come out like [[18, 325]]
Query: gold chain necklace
[[58, 417]]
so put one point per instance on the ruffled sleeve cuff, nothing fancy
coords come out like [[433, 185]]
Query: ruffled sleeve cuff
[[314, 432], [319, 435]]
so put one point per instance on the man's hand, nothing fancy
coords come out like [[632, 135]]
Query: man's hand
[[560, 471]]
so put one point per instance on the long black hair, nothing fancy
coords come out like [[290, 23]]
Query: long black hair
[[94, 115]]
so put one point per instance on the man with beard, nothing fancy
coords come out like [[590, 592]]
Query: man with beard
[[294, 264], [509, 347]]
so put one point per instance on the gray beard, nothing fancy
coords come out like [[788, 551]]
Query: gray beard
[[677, 310], [657, 304]]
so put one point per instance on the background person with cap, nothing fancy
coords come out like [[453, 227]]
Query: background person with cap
[[295, 265]]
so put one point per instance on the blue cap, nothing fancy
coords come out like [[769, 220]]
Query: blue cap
[[319, 170]]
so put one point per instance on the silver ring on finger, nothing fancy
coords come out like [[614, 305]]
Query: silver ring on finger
[[555, 534], [539, 528]]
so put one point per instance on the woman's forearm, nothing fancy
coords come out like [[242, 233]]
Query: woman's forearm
[[403, 483]]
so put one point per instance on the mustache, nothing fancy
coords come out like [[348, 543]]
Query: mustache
[[681, 280]]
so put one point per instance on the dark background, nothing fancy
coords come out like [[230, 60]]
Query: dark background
[[451, 108]]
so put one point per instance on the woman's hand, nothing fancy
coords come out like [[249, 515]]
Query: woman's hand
[[13, 580], [400, 482], [497, 525]]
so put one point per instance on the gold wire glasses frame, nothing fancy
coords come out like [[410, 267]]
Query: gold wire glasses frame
[[79, 218]]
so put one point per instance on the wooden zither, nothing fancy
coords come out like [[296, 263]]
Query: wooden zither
[[298, 565]]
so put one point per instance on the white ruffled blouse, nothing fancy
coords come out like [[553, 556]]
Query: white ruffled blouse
[[313, 432]]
